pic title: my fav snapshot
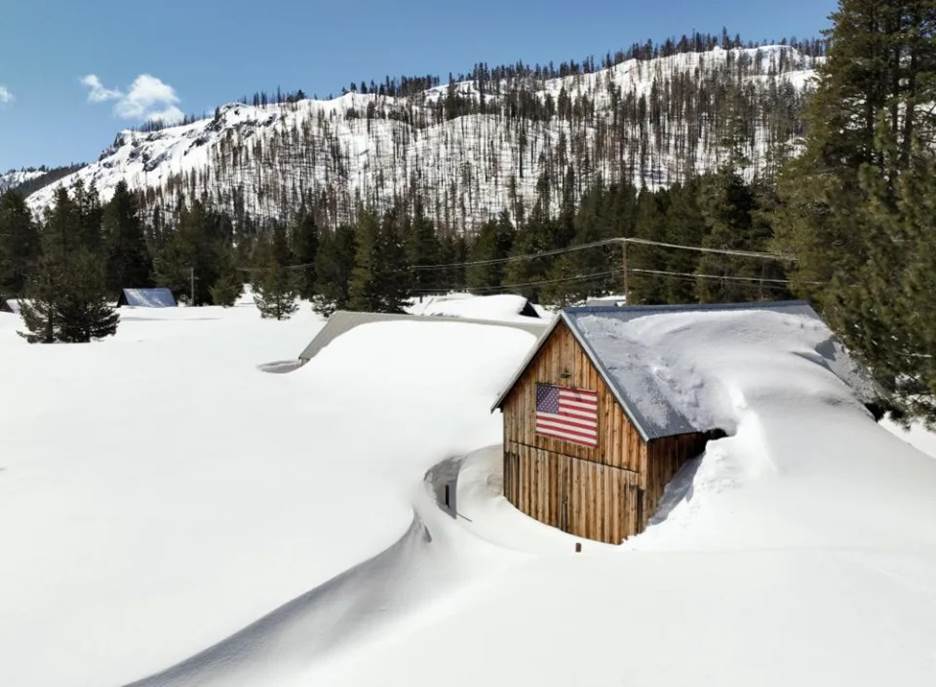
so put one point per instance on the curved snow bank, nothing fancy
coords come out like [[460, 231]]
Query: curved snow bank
[[917, 435], [317, 625], [699, 370], [181, 494], [805, 464], [411, 586], [770, 612], [160, 493], [801, 551]]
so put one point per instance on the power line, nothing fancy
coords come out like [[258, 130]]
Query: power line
[[721, 251], [284, 267], [624, 240], [569, 249], [513, 258], [463, 287], [742, 281], [667, 273]]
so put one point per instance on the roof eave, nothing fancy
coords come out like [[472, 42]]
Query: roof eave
[[526, 362]]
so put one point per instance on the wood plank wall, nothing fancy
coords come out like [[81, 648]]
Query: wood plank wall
[[607, 492], [581, 497]]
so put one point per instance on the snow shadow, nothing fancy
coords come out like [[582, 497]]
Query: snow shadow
[[311, 626], [678, 490]]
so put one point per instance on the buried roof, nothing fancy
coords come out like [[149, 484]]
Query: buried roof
[[342, 321], [629, 346], [147, 298]]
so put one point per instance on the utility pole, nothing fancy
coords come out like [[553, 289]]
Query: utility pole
[[627, 299], [192, 283]]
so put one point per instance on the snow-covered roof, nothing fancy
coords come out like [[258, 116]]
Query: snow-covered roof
[[148, 298], [342, 321], [11, 305], [652, 380], [505, 306]]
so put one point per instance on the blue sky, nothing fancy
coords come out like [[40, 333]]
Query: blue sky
[[70, 70]]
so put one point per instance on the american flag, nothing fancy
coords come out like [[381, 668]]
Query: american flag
[[567, 414]]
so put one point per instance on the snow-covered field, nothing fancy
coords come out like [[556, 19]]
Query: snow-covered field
[[169, 510]]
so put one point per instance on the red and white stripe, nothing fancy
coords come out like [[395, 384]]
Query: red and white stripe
[[577, 419]]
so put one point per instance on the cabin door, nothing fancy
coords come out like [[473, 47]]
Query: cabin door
[[565, 493]]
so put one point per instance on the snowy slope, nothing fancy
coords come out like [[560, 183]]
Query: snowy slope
[[265, 160], [15, 177]]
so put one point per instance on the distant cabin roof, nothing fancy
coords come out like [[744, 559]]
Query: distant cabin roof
[[638, 375], [147, 298]]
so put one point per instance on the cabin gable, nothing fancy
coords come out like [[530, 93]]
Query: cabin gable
[[606, 492], [562, 361]]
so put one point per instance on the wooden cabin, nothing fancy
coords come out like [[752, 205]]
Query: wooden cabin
[[590, 440]]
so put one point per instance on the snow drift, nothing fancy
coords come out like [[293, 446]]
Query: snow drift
[[194, 520]]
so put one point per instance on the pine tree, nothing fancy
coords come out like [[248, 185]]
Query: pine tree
[[229, 284], [537, 236], [364, 287], [685, 227], [493, 242], [304, 237], [845, 209], [40, 312], [650, 223], [395, 274], [87, 206], [540, 233], [67, 294], [19, 244], [275, 289], [378, 281], [422, 248], [453, 250], [587, 272], [128, 260], [734, 221], [199, 242], [85, 312], [334, 263]]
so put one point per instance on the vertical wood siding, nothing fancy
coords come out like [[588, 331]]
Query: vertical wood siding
[[606, 492]]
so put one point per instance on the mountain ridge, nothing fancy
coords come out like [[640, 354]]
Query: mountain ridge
[[466, 151]]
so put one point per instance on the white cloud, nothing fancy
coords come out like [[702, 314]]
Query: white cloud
[[6, 96], [96, 91], [148, 99]]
